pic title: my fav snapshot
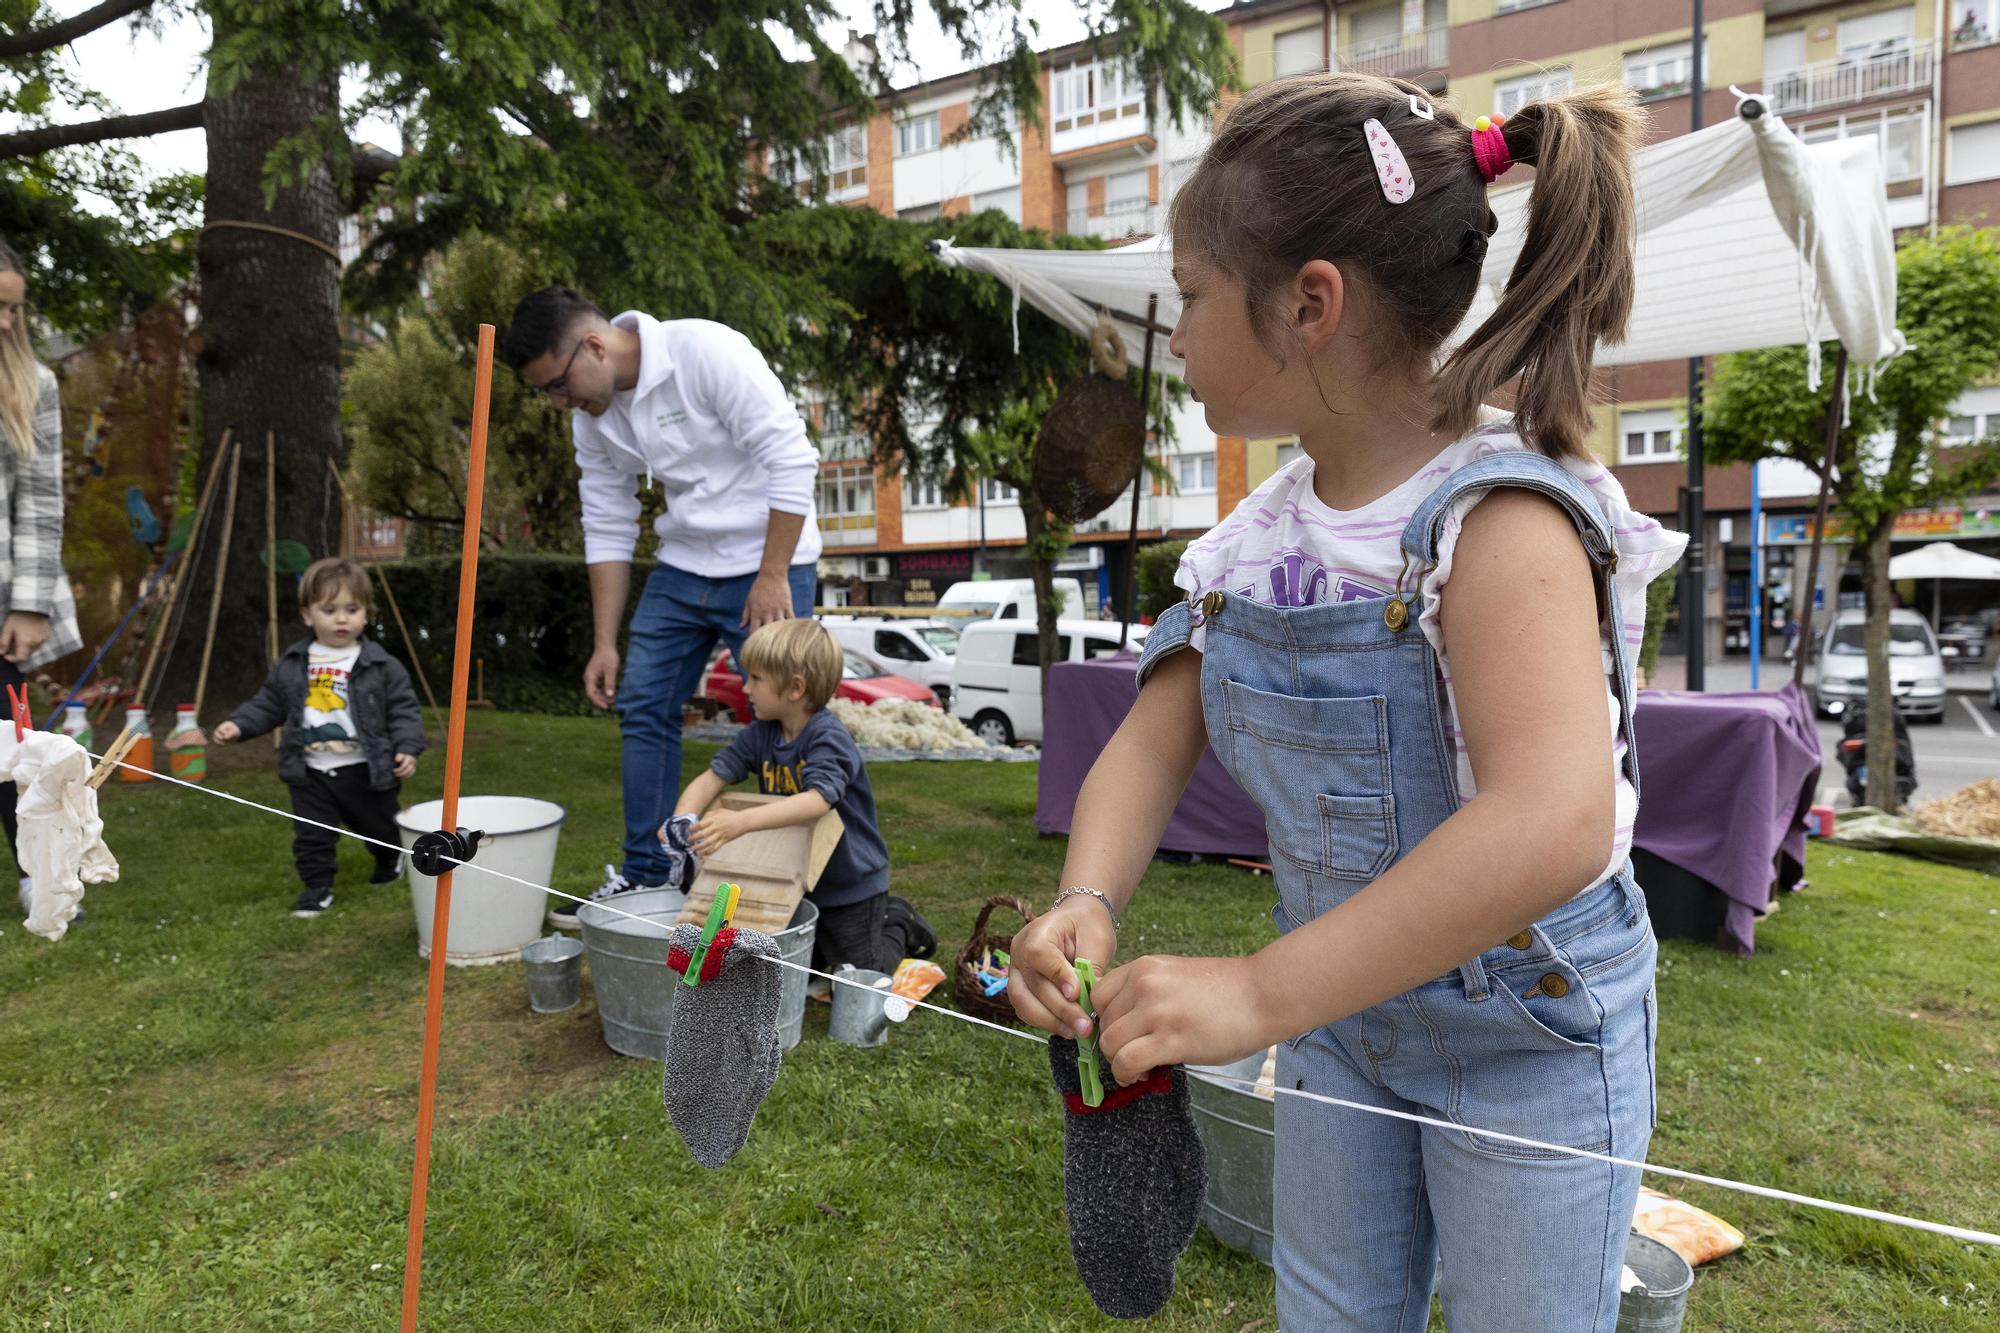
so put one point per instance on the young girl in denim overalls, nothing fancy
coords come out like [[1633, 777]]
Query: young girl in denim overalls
[[1413, 648]]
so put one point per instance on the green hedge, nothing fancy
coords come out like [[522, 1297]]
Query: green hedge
[[531, 625], [1157, 564]]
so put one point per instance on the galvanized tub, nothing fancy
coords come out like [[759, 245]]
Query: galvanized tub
[[554, 967], [635, 990], [1236, 1130]]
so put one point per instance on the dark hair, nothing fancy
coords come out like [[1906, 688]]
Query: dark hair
[[323, 578], [542, 322], [1289, 178]]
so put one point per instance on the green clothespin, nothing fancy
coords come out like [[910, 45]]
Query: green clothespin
[[1088, 1071], [720, 913]]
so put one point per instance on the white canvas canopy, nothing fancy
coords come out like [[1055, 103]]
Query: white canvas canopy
[[1942, 560], [1747, 238]]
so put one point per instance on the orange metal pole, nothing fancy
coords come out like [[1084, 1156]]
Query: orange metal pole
[[454, 752]]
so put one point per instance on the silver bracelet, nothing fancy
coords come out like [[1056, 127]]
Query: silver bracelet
[[1098, 894]]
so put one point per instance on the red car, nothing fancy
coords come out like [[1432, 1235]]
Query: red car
[[860, 680]]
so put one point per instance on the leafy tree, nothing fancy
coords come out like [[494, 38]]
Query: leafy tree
[[1948, 306]]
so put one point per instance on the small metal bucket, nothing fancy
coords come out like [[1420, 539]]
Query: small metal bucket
[[1661, 1304], [555, 973], [859, 1017]]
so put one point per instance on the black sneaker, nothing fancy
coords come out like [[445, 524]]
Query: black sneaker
[[563, 915], [311, 902], [387, 872], [919, 940]]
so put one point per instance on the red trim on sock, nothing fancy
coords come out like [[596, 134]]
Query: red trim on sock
[[1160, 1080], [678, 959], [718, 953]]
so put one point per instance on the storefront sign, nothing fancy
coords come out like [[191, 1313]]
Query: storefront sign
[[935, 564], [1978, 518]]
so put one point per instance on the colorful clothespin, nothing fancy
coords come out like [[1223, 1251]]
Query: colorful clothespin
[[720, 913], [17, 697], [1088, 1071], [113, 757]]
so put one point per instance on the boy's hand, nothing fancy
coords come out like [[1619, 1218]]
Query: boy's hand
[[225, 733], [718, 827], [406, 764]]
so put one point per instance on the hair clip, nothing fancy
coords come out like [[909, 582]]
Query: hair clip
[[1391, 169], [1489, 147], [1421, 109]]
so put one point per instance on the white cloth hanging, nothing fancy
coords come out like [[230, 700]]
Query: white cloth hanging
[[61, 837]]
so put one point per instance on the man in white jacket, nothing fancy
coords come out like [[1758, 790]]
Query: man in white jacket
[[693, 406]]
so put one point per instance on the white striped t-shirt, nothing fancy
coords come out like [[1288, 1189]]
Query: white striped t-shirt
[[1283, 547]]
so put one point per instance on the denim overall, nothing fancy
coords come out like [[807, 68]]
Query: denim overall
[[1331, 718]]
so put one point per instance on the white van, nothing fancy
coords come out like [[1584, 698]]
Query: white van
[[918, 650], [1009, 599], [997, 681]]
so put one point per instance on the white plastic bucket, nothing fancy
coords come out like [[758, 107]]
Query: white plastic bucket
[[491, 918]]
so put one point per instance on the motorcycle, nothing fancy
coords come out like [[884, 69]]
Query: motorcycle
[[1854, 755]]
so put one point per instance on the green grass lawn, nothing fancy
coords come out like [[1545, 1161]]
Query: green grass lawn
[[207, 1107]]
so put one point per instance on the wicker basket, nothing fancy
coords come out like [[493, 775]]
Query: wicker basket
[[966, 991], [1091, 447]]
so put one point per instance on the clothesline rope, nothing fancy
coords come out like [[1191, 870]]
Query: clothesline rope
[[1742, 1187]]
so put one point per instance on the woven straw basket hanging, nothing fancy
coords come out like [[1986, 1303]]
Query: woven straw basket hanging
[[1093, 440]]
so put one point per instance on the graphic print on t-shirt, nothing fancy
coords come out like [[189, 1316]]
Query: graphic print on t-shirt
[[1295, 577], [328, 733]]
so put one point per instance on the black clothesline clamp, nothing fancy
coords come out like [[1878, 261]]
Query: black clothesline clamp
[[436, 852]]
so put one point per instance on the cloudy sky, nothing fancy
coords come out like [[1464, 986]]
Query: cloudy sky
[[152, 71]]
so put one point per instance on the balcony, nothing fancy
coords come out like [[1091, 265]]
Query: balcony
[[1900, 70], [1120, 218], [1404, 55]]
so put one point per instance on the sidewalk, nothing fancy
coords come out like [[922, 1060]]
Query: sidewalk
[[1732, 675]]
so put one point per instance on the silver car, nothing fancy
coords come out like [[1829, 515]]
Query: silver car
[[1916, 667]]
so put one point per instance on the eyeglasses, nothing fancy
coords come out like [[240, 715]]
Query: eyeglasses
[[560, 384]]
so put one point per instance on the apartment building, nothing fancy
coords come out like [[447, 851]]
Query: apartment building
[[1920, 78]]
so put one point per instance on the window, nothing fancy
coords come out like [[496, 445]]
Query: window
[[1972, 153], [846, 496], [1093, 93], [1508, 6], [1869, 34], [1125, 193], [941, 637], [921, 213], [1372, 27], [1094, 647], [1649, 437], [1784, 51], [1978, 23], [1194, 474], [853, 666], [1299, 51], [1006, 201], [923, 495], [918, 134], [999, 492], [1510, 95], [1975, 416], [1289, 454], [1079, 198], [846, 163], [1900, 132], [1663, 71], [895, 647], [1028, 649]]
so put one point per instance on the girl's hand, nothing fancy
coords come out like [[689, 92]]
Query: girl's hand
[[716, 828], [1160, 1010], [406, 765], [225, 733], [22, 634], [1041, 978]]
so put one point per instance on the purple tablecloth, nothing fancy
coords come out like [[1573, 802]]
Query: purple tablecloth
[[1086, 702], [1728, 779]]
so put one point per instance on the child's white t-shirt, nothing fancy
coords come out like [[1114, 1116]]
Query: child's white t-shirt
[[1283, 547], [329, 735]]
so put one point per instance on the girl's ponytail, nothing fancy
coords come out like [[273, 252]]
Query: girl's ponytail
[[1571, 288]]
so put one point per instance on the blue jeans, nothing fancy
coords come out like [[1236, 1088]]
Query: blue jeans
[[679, 620]]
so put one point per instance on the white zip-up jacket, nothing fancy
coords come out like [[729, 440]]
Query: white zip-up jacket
[[711, 423]]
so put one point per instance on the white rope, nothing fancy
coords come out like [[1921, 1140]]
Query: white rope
[[1741, 1187]]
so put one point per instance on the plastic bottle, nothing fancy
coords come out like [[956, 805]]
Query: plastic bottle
[[187, 747], [139, 759], [76, 724]]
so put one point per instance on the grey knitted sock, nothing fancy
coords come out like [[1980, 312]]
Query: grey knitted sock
[[722, 1042], [1133, 1176]]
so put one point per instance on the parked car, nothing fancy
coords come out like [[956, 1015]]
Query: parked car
[[997, 681], [1916, 667], [918, 650], [1009, 599], [862, 679]]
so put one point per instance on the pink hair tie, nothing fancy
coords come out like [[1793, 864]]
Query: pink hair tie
[[1489, 147]]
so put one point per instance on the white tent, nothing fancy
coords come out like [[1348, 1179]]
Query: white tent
[[1942, 560], [1747, 238]]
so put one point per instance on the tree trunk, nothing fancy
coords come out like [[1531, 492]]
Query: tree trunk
[[1881, 749], [269, 366], [1043, 572]]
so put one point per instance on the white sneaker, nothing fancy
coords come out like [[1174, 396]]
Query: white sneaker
[[563, 915]]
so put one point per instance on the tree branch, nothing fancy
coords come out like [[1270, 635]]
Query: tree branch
[[26, 143], [56, 34]]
